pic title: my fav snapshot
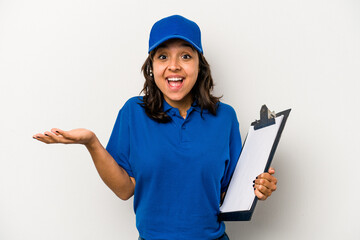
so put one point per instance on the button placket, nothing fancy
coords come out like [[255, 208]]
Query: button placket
[[184, 137], [181, 124]]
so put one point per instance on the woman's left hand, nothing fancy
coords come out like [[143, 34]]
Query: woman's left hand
[[265, 184]]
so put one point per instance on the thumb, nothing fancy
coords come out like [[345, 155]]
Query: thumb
[[271, 170]]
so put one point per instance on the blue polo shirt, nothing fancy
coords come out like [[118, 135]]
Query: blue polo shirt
[[180, 168]]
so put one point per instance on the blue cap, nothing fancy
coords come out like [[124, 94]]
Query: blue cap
[[175, 26]]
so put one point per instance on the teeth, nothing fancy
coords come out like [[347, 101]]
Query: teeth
[[174, 79]]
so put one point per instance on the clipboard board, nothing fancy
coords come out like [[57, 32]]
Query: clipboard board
[[255, 158]]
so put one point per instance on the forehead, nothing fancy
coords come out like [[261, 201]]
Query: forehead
[[176, 42]]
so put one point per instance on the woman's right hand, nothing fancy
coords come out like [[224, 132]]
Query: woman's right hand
[[77, 136]]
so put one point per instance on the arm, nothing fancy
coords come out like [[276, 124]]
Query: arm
[[114, 176]]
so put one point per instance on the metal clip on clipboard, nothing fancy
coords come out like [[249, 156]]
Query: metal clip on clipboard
[[267, 118]]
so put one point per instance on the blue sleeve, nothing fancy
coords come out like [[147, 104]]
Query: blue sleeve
[[119, 142], [235, 146]]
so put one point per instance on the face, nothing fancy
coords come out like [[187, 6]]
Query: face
[[175, 69]]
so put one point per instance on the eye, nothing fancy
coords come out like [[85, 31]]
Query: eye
[[161, 57], [186, 56]]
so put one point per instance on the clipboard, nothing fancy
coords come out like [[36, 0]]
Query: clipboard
[[255, 158]]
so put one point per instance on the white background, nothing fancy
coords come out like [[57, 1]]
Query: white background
[[73, 63]]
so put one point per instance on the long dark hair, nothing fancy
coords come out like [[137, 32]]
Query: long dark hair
[[201, 92]]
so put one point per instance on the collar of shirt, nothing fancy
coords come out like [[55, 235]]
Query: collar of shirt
[[194, 106]]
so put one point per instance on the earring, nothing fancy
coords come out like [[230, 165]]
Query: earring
[[151, 73]]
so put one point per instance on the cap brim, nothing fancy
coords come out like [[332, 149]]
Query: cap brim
[[173, 37]]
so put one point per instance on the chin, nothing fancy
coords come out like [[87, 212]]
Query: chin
[[178, 98]]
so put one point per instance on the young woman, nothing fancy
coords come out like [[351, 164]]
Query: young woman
[[178, 144]]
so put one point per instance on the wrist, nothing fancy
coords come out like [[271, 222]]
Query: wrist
[[93, 142]]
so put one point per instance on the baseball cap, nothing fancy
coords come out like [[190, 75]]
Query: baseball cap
[[175, 26]]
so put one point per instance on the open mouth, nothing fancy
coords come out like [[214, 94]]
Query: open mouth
[[175, 82]]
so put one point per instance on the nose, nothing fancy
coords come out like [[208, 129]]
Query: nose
[[174, 64]]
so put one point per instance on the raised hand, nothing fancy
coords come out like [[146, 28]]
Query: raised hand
[[56, 135], [114, 176], [265, 184]]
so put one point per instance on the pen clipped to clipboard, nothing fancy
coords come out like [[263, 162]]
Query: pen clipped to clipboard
[[255, 158]]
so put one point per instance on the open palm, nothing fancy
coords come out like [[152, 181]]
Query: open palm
[[56, 135]]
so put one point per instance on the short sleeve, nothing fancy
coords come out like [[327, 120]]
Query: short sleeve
[[235, 146], [119, 142]]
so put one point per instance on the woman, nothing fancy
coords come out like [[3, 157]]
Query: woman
[[177, 144]]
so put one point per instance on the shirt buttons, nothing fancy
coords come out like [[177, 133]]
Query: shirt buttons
[[183, 127]]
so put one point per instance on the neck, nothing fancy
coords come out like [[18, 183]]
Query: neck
[[183, 105]]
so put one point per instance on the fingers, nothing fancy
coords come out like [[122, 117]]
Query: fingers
[[47, 137], [265, 184], [260, 195], [59, 132], [55, 136], [268, 177], [264, 189]]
